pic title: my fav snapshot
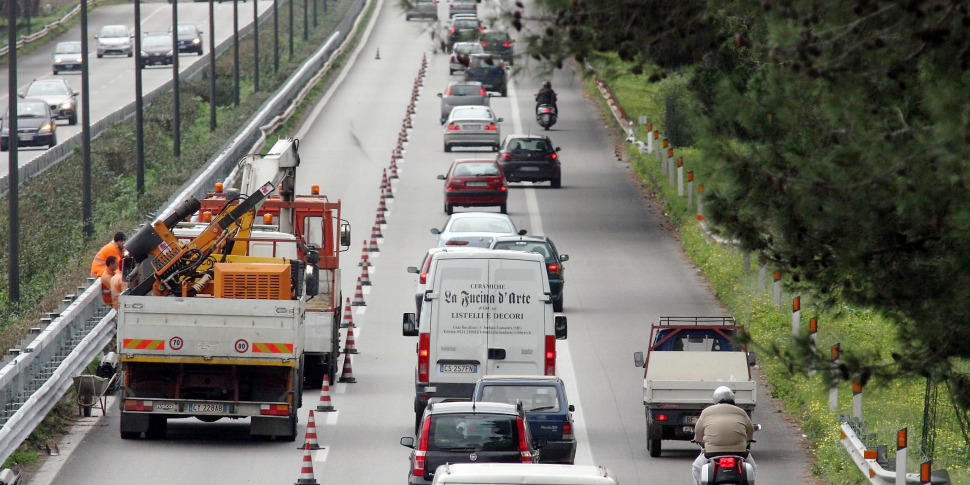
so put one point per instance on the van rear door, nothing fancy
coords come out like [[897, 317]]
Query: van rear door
[[458, 334], [516, 323]]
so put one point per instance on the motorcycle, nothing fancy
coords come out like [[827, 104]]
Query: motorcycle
[[546, 115], [728, 468]]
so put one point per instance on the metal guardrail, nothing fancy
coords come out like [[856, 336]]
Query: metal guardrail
[[24, 40], [32, 382]]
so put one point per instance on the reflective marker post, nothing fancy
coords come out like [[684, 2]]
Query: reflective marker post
[[834, 387], [796, 313], [901, 441]]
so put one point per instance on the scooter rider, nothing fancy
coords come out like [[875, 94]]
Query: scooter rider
[[546, 96], [723, 428]]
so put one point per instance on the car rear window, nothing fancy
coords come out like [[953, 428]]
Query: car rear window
[[465, 90], [483, 61], [466, 24], [465, 48], [542, 249], [481, 224], [470, 114], [534, 398], [529, 145], [473, 432], [496, 37], [473, 169]]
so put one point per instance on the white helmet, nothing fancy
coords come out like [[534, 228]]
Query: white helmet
[[723, 394]]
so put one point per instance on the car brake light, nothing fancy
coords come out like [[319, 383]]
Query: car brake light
[[424, 347], [481, 29], [507, 44], [523, 442], [483, 92], [456, 243], [725, 462], [491, 126], [567, 430], [553, 268], [274, 409], [448, 92], [420, 454], [502, 188], [453, 59], [484, 44], [424, 278], [452, 30], [453, 127], [506, 156], [132, 405], [550, 355], [661, 417], [553, 156]]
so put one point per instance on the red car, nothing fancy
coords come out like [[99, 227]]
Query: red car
[[474, 183]]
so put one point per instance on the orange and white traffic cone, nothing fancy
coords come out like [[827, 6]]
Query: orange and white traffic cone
[[384, 179], [347, 375], [394, 174], [311, 434], [351, 345], [306, 470], [397, 150], [364, 260], [348, 319], [326, 405], [388, 192], [373, 243], [364, 277], [377, 225], [358, 295]]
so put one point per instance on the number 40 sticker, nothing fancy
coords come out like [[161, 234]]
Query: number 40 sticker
[[242, 346]]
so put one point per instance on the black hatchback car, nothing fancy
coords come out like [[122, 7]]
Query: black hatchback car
[[546, 249], [156, 50], [498, 44], [530, 158], [35, 125], [190, 38], [465, 432]]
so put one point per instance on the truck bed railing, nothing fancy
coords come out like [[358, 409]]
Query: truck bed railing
[[697, 321]]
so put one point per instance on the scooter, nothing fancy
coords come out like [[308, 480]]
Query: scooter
[[728, 468], [546, 115]]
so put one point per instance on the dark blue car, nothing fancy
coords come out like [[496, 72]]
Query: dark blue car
[[547, 411]]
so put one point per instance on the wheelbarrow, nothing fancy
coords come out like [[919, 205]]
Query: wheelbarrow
[[92, 391]]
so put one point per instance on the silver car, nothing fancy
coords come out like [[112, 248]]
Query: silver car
[[115, 39], [463, 93], [475, 229], [457, 7], [67, 57], [57, 93], [472, 126], [421, 9]]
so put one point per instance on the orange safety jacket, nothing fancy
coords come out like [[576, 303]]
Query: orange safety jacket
[[106, 287], [98, 265]]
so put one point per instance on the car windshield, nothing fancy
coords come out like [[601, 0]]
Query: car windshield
[[31, 109], [529, 145], [468, 47], [533, 398], [541, 248], [187, 30], [68, 48], [114, 31], [465, 90], [481, 224], [156, 41], [476, 169], [471, 114], [46, 89], [483, 61], [473, 432]]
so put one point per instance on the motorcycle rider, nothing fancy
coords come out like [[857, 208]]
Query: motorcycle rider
[[546, 96], [723, 428]]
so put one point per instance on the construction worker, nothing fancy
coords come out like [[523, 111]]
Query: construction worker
[[118, 286], [111, 266], [114, 248]]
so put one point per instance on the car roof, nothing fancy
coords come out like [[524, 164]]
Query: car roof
[[473, 407], [525, 473], [513, 378], [476, 215], [524, 135], [69, 42], [49, 81], [464, 83], [528, 238], [477, 160]]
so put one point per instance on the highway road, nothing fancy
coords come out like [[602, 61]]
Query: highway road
[[112, 78], [625, 269]]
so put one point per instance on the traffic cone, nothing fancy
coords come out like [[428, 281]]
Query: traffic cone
[[407, 121], [347, 374], [311, 432], [388, 191], [373, 243], [351, 346], [348, 319], [378, 56], [377, 226], [364, 277], [394, 174], [397, 151], [384, 179], [364, 260], [358, 295], [326, 405], [381, 209], [306, 471]]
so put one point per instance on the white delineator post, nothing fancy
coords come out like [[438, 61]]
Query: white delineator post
[[857, 399], [700, 202], [796, 313], [670, 168], [656, 138], [680, 176], [650, 137], [777, 287], [690, 190], [901, 439], [834, 389], [664, 155], [812, 342]]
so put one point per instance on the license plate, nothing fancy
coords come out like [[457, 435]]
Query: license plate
[[529, 169], [690, 419], [472, 127], [458, 368], [167, 406], [207, 408], [27, 137], [477, 184]]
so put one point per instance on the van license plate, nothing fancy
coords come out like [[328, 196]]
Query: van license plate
[[690, 419], [207, 408], [459, 368]]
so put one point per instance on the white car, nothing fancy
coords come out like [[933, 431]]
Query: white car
[[115, 39], [474, 126], [475, 229]]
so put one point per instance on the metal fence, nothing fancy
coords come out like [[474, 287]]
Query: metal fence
[[33, 381]]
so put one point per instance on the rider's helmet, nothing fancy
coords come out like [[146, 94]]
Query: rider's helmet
[[723, 394], [547, 84]]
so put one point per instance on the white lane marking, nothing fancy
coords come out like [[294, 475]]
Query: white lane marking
[[564, 360], [516, 121], [144, 20]]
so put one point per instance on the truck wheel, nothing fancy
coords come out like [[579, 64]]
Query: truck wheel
[[653, 446]]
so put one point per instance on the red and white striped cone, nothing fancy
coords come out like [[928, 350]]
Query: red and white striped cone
[[373, 242], [364, 260], [411, 107], [407, 120], [384, 179], [397, 151], [364, 277], [311, 432], [306, 470], [388, 191], [358, 295], [393, 167], [348, 318], [326, 405], [393, 174], [351, 346], [347, 374], [377, 225], [380, 212]]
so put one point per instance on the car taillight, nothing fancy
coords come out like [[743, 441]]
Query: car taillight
[[424, 351], [452, 30], [453, 59], [448, 92], [491, 126], [484, 44], [132, 405], [421, 452], [424, 278], [481, 29], [274, 409], [456, 243], [661, 417], [552, 156], [502, 188], [550, 355], [453, 127], [483, 92], [553, 268], [725, 462], [567, 430], [523, 442], [506, 156], [544, 110], [507, 44]]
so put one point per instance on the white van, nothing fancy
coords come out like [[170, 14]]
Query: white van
[[522, 473], [484, 312]]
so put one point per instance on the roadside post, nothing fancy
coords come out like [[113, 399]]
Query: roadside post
[[777, 288], [796, 311], [656, 138], [664, 161], [670, 168], [700, 202], [925, 472], [690, 190], [812, 343], [650, 136], [834, 386], [680, 176], [901, 436], [857, 399]]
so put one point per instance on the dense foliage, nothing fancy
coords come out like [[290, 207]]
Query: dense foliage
[[834, 138]]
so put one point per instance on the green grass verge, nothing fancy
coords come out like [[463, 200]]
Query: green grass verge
[[888, 406]]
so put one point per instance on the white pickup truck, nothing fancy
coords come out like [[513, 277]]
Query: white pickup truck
[[688, 358]]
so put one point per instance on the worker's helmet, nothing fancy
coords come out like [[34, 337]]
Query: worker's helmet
[[723, 394], [547, 84]]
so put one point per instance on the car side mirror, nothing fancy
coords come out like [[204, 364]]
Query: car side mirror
[[410, 328], [76, 93], [638, 359], [345, 234], [413, 269], [21, 94], [563, 258], [442, 177], [500, 120], [540, 442], [439, 95], [572, 408], [435, 230], [312, 278], [407, 442], [522, 232], [560, 327], [558, 148]]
